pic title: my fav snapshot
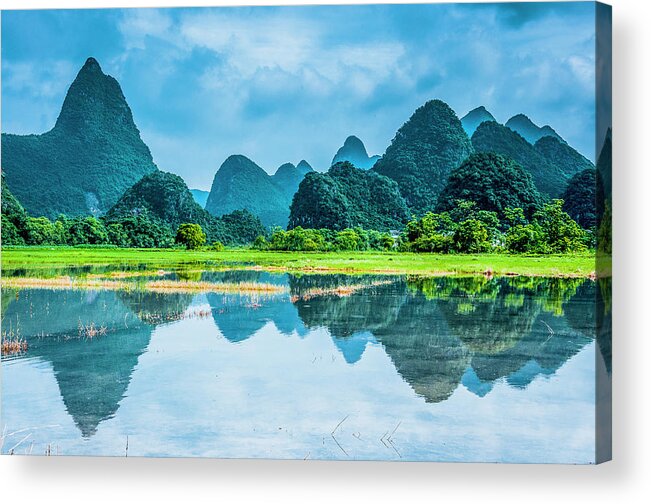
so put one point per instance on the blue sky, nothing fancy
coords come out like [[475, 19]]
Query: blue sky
[[280, 84]]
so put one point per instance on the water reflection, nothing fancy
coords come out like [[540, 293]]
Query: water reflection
[[439, 333]]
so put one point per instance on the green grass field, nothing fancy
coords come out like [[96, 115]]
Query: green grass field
[[35, 258]]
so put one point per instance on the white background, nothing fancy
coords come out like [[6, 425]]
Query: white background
[[625, 480]]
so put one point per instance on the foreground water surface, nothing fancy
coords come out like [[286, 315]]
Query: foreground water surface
[[334, 367]]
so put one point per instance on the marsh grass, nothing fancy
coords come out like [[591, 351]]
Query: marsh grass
[[158, 286], [174, 286], [339, 291], [42, 258], [90, 330], [13, 344], [63, 283], [162, 318]]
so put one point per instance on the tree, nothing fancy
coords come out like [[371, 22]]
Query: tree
[[472, 236], [84, 231], [493, 183], [190, 235], [260, 243], [561, 233], [40, 231]]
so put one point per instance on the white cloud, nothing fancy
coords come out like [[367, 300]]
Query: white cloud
[[138, 24], [38, 79]]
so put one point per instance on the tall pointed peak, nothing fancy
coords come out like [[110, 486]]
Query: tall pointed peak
[[95, 105], [91, 65]]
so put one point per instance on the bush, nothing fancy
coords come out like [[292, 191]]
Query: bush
[[218, 246], [260, 243]]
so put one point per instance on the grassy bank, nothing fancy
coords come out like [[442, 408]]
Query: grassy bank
[[35, 258]]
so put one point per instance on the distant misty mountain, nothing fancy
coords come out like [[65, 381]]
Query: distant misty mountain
[[530, 131], [355, 153], [474, 118], [241, 184], [91, 156], [288, 177], [200, 196]]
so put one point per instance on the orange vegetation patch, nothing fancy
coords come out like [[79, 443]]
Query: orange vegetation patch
[[163, 286], [64, 282], [339, 291]]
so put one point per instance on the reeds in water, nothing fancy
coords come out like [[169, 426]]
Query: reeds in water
[[13, 344], [90, 330], [339, 291], [162, 318]]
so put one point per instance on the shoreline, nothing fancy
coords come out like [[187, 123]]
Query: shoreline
[[36, 259]]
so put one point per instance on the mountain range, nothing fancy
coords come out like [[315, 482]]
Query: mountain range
[[94, 156], [241, 184], [85, 163]]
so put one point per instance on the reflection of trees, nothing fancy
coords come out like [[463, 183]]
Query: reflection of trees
[[488, 316], [93, 375], [372, 308], [8, 295], [59, 312], [433, 328], [145, 303]]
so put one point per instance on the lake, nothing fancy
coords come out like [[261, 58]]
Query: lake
[[328, 367]]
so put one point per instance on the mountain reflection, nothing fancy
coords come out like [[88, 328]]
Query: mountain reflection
[[438, 332], [92, 374]]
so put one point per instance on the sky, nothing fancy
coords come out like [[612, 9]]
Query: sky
[[281, 84]]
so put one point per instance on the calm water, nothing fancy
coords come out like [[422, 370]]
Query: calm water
[[449, 369]]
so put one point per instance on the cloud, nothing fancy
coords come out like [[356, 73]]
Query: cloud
[[281, 84], [37, 80]]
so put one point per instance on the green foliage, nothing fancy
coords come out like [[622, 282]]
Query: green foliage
[[14, 217], [561, 233], [491, 137], [465, 229], [260, 243], [347, 197], [91, 156], [326, 240], [472, 237], [40, 231], [524, 238], [86, 231], [218, 246], [191, 236], [493, 182], [605, 231], [241, 227], [423, 153], [580, 198]]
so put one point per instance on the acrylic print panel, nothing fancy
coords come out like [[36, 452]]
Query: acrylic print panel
[[374, 232]]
